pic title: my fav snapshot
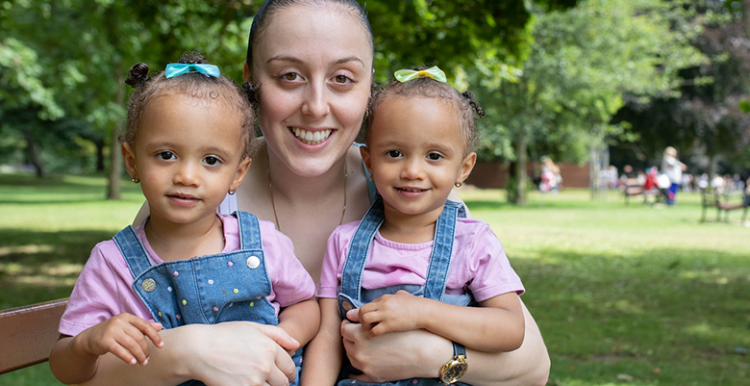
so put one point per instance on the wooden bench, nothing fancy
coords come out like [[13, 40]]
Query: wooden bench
[[27, 334], [722, 202], [632, 187]]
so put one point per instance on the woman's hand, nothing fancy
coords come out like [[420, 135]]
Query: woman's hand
[[421, 354], [244, 353], [231, 354], [394, 355]]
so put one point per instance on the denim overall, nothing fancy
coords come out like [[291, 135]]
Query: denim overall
[[210, 289], [352, 295]]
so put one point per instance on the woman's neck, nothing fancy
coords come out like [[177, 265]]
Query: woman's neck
[[295, 189], [173, 242]]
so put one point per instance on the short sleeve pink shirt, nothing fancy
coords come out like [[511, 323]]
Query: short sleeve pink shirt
[[104, 288], [478, 263]]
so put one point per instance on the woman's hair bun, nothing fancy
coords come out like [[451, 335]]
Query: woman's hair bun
[[137, 75], [193, 57]]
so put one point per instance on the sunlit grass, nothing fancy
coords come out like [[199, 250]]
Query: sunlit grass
[[623, 294]]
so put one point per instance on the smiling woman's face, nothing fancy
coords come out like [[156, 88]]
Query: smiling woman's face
[[313, 64]]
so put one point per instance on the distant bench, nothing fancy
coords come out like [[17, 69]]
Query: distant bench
[[711, 198], [632, 187], [27, 334]]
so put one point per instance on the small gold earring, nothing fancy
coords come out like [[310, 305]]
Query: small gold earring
[[135, 180], [371, 180], [458, 184], [232, 192]]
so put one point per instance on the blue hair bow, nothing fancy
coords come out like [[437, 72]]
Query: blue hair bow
[[177, 69]]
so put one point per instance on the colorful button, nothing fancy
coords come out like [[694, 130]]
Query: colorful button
[[210, 281], [184, 302], [148, 285], [236, 290], [216, 309], [175, 273], [229, 264]]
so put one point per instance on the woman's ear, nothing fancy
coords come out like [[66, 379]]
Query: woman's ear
[[128, 155], [467, 165], [246, 75]]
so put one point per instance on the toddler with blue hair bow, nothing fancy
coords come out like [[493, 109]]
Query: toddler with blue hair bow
[[187, 144]]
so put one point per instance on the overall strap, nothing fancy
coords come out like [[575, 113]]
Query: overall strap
[[351, 277], [249, 231], [132, 250], [442, 249]]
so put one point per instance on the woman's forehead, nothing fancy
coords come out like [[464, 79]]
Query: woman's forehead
[[324, 33]]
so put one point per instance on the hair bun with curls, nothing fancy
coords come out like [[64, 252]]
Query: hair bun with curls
[[138, 75], [193, 57], [474, 104]]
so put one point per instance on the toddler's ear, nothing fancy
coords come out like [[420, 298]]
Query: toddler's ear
[[467, 165], [364, 151], [240, 174], [128, 155]]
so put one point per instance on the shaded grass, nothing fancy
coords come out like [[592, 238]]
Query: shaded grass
[[631, 294]]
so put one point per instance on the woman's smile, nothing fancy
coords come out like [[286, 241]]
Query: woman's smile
[[311, 137]]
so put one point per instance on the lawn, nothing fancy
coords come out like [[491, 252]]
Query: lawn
[[634, 295]]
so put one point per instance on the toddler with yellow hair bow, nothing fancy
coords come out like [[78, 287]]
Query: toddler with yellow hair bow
[[414, 261]]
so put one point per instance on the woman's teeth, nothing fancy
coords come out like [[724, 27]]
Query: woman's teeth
[[311, 137]]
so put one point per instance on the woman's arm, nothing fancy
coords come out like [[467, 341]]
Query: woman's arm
[[231, 353], [324, 354], [495, 326], [402, 355]]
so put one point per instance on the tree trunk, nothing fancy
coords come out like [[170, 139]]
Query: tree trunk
[[521, 159], [34, 153], [99, 143], [115, 153]]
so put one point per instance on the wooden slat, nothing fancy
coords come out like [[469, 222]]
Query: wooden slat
[[28, 333]]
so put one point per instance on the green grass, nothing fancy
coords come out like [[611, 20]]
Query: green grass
[[632, 294]]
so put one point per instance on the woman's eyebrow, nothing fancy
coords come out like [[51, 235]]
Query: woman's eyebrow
[[347, 60], [284, 58]]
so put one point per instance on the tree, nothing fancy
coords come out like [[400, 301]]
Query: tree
[[581, 64]]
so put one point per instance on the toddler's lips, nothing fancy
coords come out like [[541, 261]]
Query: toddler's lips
[[183, 199]]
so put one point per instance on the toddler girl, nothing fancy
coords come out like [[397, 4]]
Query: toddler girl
[[413, 262], [186, 142]]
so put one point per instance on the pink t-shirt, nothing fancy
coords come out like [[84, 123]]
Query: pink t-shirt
[[478, 264], [104, 288]]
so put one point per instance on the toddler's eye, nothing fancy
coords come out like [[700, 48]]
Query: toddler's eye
[[211, 161], [166, 155], [393, 153], [434, 156]]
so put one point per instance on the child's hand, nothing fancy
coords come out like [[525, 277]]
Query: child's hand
[[123, 335], [398, 312]]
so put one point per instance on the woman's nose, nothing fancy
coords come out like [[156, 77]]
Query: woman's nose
[[316, 103]]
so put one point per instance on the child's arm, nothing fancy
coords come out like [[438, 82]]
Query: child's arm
[[324, 354], [496, 326], [75, 359], [301, 321]]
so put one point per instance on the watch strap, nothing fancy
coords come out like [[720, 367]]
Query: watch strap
[[458, 349]]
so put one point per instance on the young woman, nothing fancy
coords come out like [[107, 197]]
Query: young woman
[[311, 62]]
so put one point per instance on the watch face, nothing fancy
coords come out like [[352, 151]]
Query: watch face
[[454, 372]]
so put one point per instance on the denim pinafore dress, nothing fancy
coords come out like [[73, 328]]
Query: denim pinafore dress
[[232, 286], [352, 295]]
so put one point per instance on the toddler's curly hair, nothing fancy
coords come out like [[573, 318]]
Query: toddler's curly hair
[[465, 103], [193, 84]]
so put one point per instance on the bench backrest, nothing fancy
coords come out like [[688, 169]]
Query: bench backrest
[[27, 334]]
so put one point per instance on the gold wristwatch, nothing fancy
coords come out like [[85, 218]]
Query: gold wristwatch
[[456, 367]]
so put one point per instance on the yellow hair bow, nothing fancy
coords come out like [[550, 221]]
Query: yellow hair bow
[[406, 75]]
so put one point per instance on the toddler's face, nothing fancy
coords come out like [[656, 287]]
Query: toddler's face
[[415, 152], [188, 153]]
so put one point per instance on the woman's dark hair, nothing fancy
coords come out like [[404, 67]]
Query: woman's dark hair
[[465, 103], [193, 84], [270, 7]]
